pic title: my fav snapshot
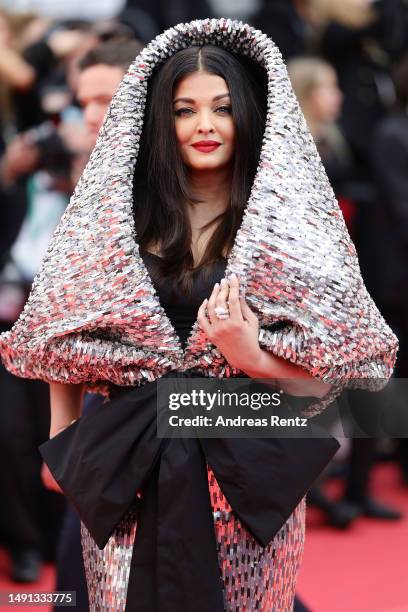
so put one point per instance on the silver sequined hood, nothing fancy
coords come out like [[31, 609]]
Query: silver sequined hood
[[93, 314]]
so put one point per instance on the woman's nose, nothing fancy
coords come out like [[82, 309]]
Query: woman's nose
[[204, 124]]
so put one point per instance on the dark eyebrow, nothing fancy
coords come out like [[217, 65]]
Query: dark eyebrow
[[226, 95], [191, 101]]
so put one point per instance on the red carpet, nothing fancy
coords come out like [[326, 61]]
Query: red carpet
[[46, 583], [364, 569]]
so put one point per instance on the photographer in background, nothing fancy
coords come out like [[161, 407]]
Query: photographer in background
[[34, 185], [39, 168]]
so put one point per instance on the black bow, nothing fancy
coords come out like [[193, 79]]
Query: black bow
[[102, 460]]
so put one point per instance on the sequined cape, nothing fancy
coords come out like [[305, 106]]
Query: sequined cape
[[93, 314]]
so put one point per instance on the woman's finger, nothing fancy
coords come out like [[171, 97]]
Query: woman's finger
[[233, 298], [211, 303], [202, 319], [221, 301]]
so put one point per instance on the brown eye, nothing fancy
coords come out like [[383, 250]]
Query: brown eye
[[224, 110], [183, 112]]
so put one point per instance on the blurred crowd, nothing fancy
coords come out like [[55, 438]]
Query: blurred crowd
[[60, 65]]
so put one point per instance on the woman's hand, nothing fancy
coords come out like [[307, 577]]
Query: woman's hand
[[236, 337]]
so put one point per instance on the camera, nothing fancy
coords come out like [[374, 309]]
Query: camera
[[54, 155]]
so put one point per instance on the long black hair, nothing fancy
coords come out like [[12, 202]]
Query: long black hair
[[161, 188]]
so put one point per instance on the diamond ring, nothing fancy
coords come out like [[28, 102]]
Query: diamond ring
[[221, 313]]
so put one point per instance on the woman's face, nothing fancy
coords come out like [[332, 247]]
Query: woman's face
[[204, 126], [326, 98]]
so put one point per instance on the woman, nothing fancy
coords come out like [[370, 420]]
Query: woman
[[201, 190]]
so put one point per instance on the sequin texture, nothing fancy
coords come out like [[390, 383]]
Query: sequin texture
[[107, 571], [253, 578]]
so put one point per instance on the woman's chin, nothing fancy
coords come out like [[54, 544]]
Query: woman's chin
[[208, 165]]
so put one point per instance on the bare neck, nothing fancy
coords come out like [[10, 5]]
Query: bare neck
[[213, 189]]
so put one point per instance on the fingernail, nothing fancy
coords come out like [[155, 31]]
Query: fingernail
[[233, 276], [216, 285], [205, 301], [223, 282]]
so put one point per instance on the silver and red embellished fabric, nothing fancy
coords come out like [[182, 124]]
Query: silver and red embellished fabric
[[93, 314], [253, 578]]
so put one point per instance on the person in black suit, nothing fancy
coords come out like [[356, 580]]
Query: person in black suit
[[363, 58], [387, 271]]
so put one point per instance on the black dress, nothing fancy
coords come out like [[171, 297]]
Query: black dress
[[253, 577], [182, 309]]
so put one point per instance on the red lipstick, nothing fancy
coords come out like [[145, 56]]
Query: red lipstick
[[206, 146]]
